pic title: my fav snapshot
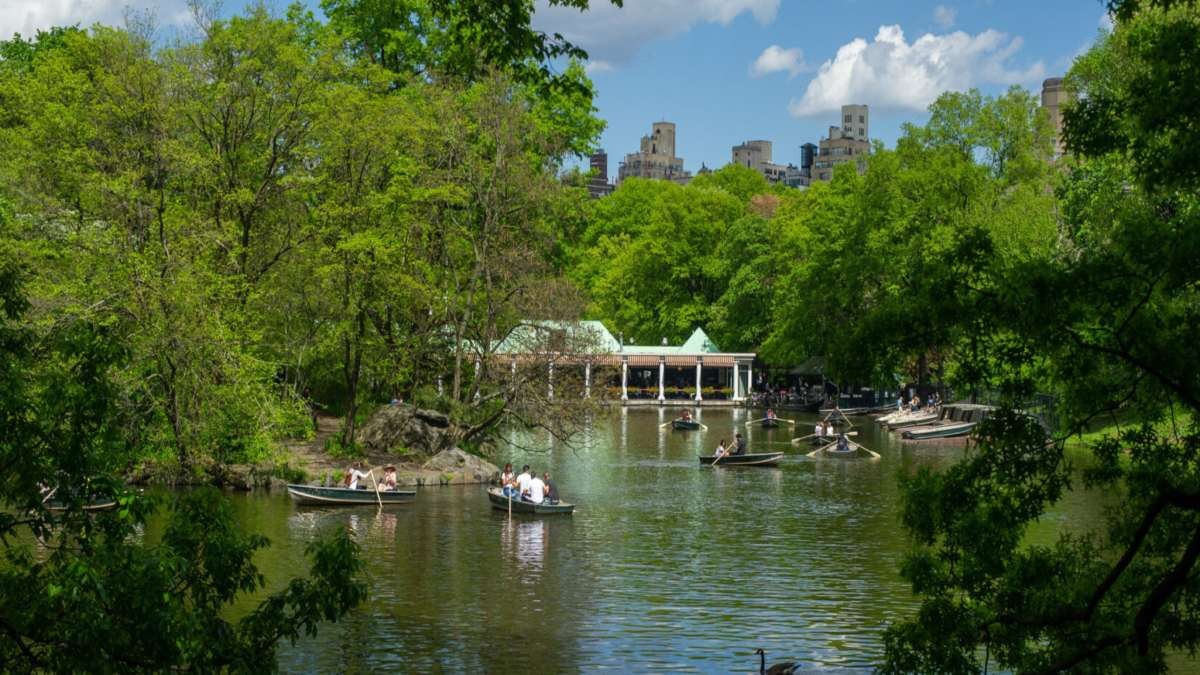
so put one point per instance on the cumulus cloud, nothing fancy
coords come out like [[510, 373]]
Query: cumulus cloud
[[889, 72], [29, 16], [613, 35], [944, 16], [776, 59], [593, 67]]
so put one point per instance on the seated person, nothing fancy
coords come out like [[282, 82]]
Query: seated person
[[388, 482], [353, 475], [686, 416], [551, 489], [739, 445], [843, 444], [720, 451], [819, 430], [770, 414], [536, 492]]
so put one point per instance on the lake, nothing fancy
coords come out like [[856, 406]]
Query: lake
[[665, 565]]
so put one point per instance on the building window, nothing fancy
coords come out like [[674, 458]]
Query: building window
[[849, 119], [862, 119], [862, 132]]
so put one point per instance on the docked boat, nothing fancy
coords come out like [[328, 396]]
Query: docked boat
[[315, 495], [499, 501], [913, 419], [685, 425], [860, 410], [750, 459], [956, 420]]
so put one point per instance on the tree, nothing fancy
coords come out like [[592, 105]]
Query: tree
[[83, 592], [1104, 311]]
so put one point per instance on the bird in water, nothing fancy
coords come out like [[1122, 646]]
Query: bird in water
[[786, 668]]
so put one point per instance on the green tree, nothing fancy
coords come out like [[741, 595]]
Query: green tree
[[1109, 311]]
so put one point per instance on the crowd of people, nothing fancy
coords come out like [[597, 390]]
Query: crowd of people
[[914, 404], [527, 486]]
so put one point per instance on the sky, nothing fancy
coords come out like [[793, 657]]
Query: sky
[[727, 71]]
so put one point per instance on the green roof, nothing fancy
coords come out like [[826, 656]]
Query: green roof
[[601, 340]]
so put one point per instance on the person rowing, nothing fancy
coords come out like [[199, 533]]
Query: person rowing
[[771, 414], [843, 443], [739, 445], [721, 450], [686, 416]]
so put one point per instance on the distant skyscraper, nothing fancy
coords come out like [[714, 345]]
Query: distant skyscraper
[[599, 186], [656, 158], [1054, 97], [849, 142]]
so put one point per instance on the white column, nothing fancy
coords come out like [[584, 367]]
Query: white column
[[477, 381], [587, 379], [662, 374], [737, 382], [750, 378], [550, 381], [624, 380], [698, 396]]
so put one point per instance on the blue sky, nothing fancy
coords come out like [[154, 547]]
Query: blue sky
[[726, 71]]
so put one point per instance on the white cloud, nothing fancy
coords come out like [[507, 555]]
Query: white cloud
[[888, 72], [614, 35], [593, 67], [944, 16], [28, 16], [776, 59]]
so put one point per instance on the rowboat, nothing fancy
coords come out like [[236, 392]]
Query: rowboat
[[830, 451], [499, 501], [770, 423], [860, 410], [956, 420], [685, 425], [912, 420], [95, 504], [751, 459], [315, 495]]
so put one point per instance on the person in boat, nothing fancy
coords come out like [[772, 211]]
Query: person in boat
[[819, 431], [770, 414], [551, 489], [828, 429], [721, 450], [353, 475], [388, 482], [535, 493], [686, 416], [507, 480], [843, 443], [523, 481], [739, 445]]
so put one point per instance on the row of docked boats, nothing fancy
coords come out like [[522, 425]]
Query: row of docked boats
[[949, 421]]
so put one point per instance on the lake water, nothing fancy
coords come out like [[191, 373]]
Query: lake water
[[665, 565]]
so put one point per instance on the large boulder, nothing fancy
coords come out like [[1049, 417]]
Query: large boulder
[[399, 425], [460, 467]]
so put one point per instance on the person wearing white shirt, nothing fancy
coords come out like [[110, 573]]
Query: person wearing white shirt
[[352, 478], [537, 491], [819, 430], [523, 480]]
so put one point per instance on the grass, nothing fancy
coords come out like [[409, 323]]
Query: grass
[[1123, 422]]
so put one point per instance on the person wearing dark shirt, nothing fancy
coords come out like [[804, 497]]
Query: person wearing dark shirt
[[739, 445], [551, 489]]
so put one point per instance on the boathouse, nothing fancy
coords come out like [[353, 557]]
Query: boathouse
[[696, 371]]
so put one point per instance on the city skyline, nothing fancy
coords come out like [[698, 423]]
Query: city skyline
[[727, 71]]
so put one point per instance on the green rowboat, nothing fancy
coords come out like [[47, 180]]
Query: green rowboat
[[499, 501], [315, 495]]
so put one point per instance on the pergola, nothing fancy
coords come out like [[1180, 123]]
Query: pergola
[[728, 369]]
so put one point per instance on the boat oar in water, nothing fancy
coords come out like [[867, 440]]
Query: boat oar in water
[[723, 455], [374, 482], [761, 419], [703, 426], [823, 448], [804, 438], [664, 424], [874, 455]]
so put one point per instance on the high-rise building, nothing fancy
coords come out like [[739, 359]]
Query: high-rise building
[[656, 157], [599, 186], [757, 155], [1054, 97], [849, 142]]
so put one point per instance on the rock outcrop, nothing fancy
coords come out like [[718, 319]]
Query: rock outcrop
[[456, 466], [402, 426]]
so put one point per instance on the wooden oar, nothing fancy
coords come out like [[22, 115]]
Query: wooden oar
[[665, 424], [821, 449], [791, 422], [703, 426], [721, 456], [749, 422], [374, 482], [874, 455], [802, 438]]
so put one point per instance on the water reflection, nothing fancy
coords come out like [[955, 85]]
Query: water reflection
[[665, 566]]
